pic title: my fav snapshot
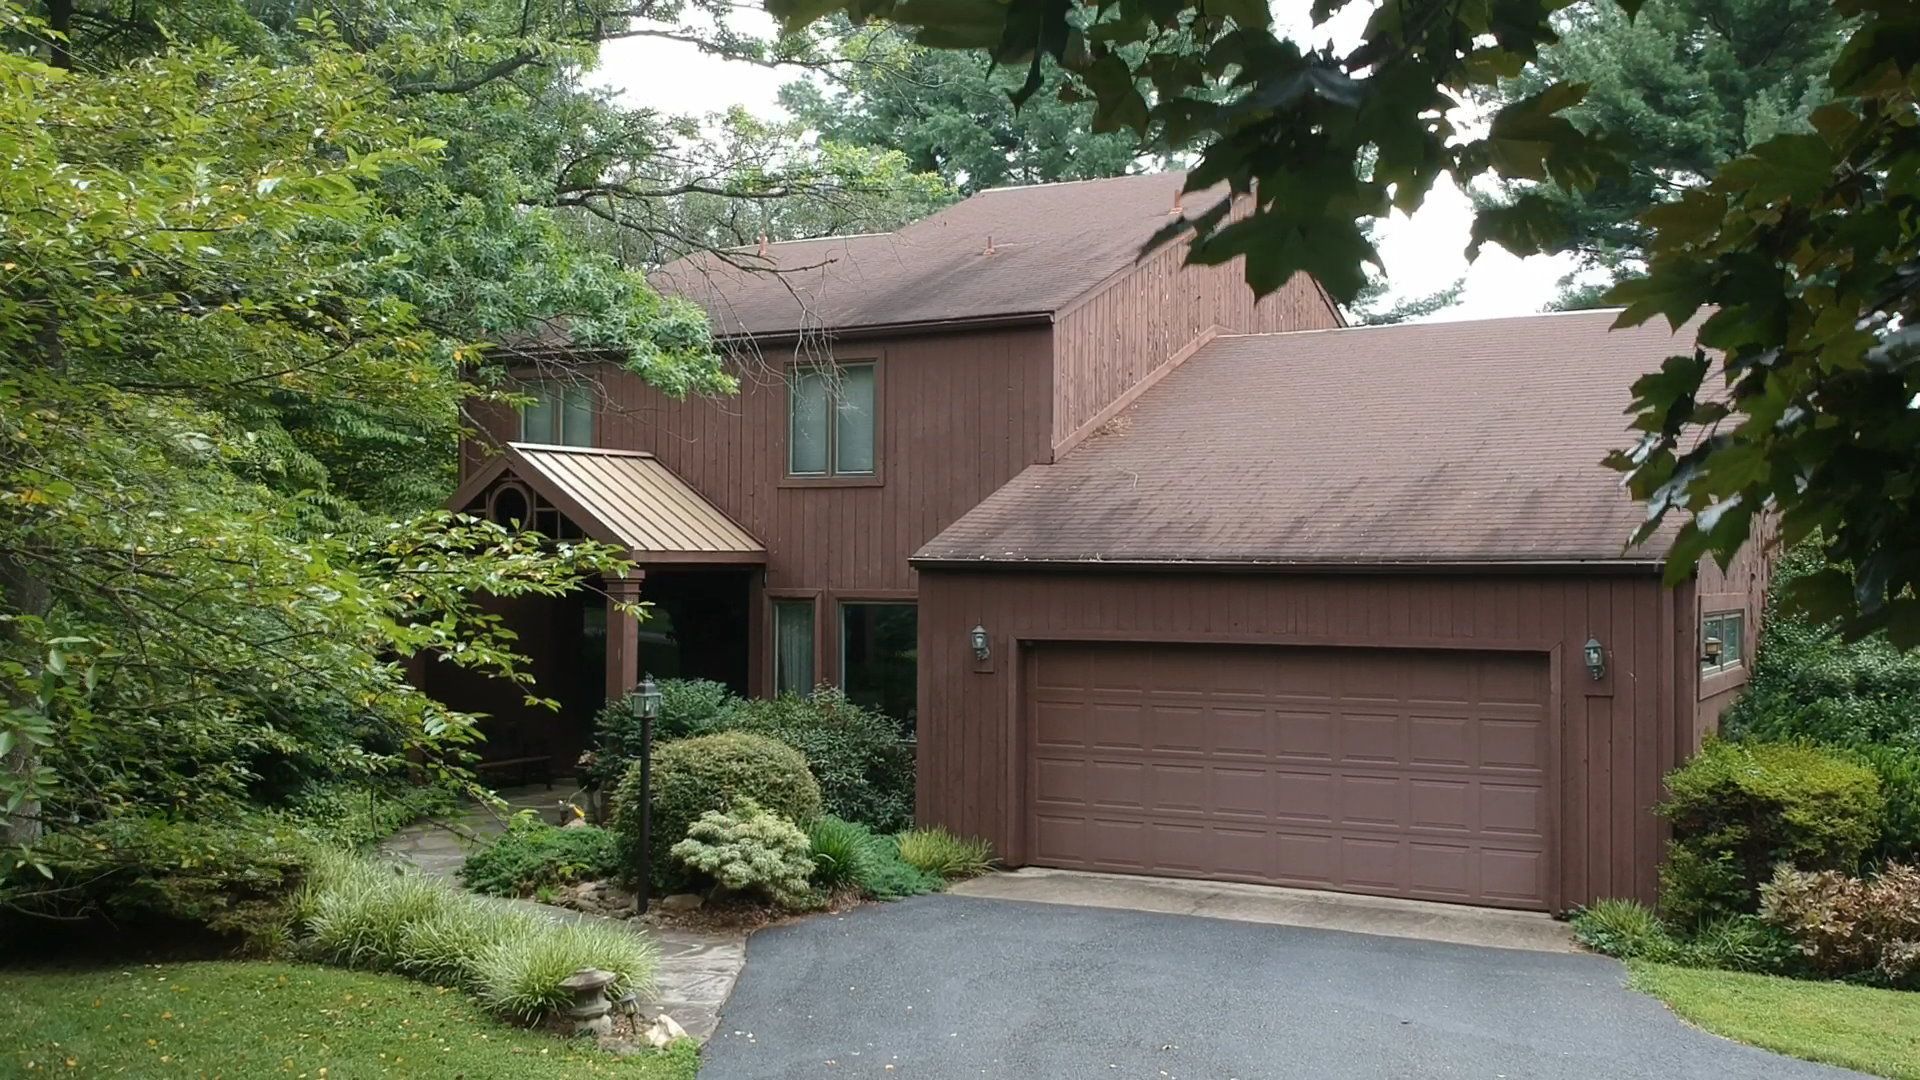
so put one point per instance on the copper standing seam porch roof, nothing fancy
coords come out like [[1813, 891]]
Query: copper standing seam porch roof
[[622, 497], [1418, 444]]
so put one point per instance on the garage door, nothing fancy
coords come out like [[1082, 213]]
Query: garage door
[[1397, 772]]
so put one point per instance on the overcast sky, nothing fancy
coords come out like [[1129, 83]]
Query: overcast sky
[[1422, 253]]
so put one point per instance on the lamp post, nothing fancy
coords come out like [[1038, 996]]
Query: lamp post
[[645, 703]]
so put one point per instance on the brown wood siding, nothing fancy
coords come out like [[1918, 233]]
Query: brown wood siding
[[960, 415], [1742, 587], [1613, 739], [1124, 333]]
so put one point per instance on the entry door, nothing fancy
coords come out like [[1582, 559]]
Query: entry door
[[1415, 773]]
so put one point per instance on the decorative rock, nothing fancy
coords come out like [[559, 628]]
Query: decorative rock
[[663, 1031], [575, 821], [596, 898], [682, 902]]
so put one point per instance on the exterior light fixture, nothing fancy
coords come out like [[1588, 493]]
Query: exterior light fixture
[[980, 648], [1711, 650], [1596, 658], [646, 700]]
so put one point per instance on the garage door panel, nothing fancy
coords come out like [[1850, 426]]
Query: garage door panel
[[1396, 779]]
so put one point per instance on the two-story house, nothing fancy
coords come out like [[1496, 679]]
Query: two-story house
[[1166, 580]]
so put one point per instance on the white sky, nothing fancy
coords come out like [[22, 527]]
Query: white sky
[[1422, 253]]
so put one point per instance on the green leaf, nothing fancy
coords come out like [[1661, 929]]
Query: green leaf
[[1530, 225]]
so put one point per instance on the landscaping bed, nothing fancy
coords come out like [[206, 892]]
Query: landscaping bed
[[269, 1018]]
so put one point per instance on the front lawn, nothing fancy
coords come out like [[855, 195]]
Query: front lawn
[[234, 1019], [1856, 1027]]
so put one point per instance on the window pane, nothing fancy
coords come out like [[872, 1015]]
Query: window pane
[[1734, 629], [576, 421], [807, 424], [853, 421], [537, 420], [879, 654], [792, 646]]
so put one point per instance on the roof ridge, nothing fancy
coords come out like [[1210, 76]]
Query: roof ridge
[[1070, 183], [1426, 323], [607, 451]]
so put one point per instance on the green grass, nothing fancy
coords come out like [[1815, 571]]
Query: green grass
[[942, 854], [1856, 1027], [234, 1019]]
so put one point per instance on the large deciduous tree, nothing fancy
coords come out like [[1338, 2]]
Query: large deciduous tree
[[950, 113], [1803, 250]]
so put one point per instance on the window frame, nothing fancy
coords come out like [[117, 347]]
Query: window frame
[[814, 602], [554, 392], [842, 603], [833, 478], [1738, 659]]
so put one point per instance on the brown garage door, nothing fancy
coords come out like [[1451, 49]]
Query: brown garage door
[[1399, 772]]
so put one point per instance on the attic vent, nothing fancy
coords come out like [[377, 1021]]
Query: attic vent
[[510, 507]]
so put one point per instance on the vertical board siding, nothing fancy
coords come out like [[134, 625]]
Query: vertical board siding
[[1742, 586], [1128, 330], [960, 415], [1614, 735]]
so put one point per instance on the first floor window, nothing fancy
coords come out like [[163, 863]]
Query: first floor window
[[879, 658], [1722, 637], [830, 420], [561, 414], [792, 646]]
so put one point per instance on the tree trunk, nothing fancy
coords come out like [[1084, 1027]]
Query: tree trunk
[[60, 20], [22, 594]]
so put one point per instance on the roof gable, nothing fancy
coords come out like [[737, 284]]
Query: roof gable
[[1007, 253], [1437, 443]]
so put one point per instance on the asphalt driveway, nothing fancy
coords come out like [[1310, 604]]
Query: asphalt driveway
[[946, 987]]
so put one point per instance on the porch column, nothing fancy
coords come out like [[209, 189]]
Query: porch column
[[623, 633]]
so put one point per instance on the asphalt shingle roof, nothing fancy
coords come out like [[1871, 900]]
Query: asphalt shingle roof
[[1434, 443]]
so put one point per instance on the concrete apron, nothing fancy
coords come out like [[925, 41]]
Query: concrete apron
[[1386, 916]]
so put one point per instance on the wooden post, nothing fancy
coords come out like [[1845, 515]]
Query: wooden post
[[623, 634]]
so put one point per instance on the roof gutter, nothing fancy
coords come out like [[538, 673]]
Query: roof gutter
[[1244, 566]]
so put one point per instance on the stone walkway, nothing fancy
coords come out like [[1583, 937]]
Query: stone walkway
[[697, 970]]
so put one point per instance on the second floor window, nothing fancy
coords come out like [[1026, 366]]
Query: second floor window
[[830, 421], [560, 415]]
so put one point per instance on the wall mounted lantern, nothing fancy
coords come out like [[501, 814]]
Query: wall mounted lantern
[[1596, 659], [1711, 650], [979, 638]]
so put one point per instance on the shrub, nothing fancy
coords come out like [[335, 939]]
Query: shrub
[[1851, 926], [152, 875], [864, 770], [688, 707], [711, 772], [1735, 943], [750, 850], [847, 854], [1739, 808], [533, 855], [359, 815], [939, 852], [363, 914], [1899, 770], [1627, 929]]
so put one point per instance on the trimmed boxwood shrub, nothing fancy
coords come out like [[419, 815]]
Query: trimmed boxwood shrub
[[710, 773], [1739, 808], [864, 770]]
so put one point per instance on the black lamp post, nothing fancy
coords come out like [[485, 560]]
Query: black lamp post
[[645, 703]]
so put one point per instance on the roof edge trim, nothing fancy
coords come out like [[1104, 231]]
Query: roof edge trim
[[1241, 566]]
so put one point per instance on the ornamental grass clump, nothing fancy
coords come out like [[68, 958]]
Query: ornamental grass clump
[[363, 914], [940, 853], [848, 855]]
